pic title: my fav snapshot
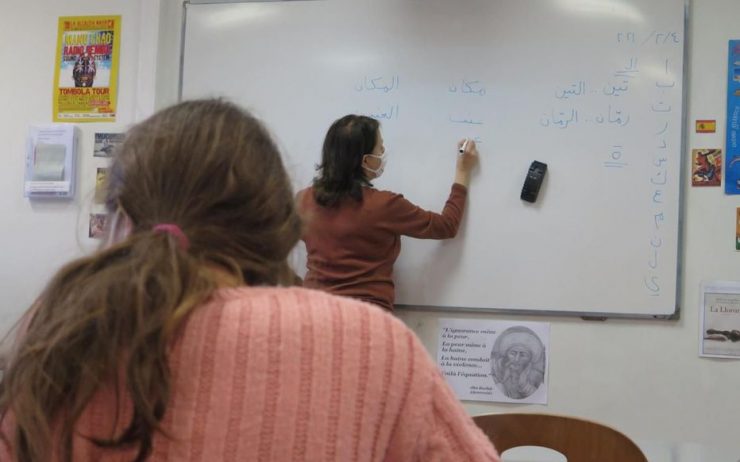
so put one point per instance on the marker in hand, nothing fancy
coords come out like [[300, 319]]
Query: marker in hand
[[464, 145]]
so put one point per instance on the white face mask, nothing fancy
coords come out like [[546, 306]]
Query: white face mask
[[378, 171]]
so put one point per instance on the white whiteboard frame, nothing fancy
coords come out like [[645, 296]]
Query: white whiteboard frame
[[591, 316]]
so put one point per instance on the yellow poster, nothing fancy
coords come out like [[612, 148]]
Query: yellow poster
[[86, 69]]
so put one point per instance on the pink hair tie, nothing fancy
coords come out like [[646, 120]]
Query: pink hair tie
[[175, 231]]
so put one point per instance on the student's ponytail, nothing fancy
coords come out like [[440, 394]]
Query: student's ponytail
[[107, 316], [204, 194]]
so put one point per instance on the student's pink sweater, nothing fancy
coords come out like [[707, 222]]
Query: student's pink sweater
[[274, 374]]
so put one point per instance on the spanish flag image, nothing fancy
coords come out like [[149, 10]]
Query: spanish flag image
[[706, 126]]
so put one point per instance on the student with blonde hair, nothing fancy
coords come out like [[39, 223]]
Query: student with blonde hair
[[177, 341]]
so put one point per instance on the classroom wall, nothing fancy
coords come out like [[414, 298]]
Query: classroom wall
[[642, 376], [36, 237]]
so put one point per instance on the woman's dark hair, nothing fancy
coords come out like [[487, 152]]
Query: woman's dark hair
[[213, 170], [340, 172]]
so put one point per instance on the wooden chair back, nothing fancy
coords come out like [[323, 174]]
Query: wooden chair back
[[578, 439]]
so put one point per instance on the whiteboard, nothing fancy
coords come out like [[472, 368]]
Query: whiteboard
[[593, 88]]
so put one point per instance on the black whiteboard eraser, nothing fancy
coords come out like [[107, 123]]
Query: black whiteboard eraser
[[533, 181]]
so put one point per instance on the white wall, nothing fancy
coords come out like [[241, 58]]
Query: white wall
[[37, 237], [641, 376]]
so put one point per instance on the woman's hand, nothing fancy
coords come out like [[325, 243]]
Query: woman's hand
[[466, 161]]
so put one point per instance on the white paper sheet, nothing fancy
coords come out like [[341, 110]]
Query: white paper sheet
[[50, 161], [719, 308], [495, 360], [49, 165]]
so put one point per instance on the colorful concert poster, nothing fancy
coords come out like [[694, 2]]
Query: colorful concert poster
[[86, 69]]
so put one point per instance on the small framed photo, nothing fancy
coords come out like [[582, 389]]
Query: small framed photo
[[101, 180], [706, 167], [98, 222], [106, 144]]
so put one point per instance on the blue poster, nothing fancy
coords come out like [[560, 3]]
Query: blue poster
[[732, 159]]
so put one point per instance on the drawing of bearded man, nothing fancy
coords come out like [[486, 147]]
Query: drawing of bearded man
[[518, 362]]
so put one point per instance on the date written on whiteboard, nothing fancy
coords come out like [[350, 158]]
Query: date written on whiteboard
[[655, 37]]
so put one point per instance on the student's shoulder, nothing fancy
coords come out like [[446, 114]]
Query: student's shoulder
[[297, 306], [364, 326], [292, 298]]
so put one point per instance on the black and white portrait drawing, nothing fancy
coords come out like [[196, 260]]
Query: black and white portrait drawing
[[518, 362]]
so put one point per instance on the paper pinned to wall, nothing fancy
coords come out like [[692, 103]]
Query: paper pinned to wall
[[498, 361], [49, 164], [50, 161], [732, 146], [719, 336]]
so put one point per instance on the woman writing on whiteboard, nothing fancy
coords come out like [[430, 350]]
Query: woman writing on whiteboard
[[353, 231]]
